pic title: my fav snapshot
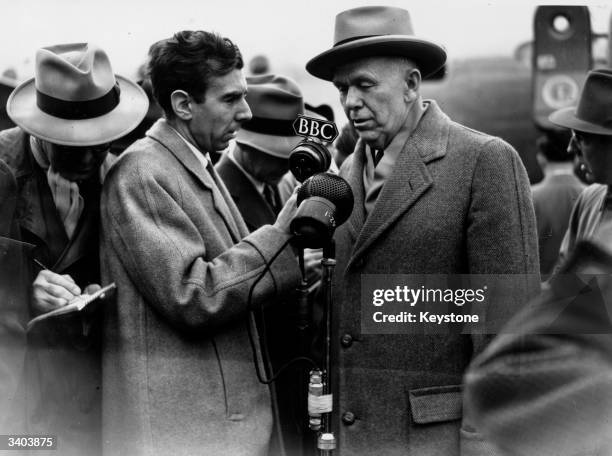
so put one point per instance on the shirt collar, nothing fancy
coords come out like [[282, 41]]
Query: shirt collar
[[203, 157], [395, 147]]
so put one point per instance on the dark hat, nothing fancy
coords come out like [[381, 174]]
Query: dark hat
[[376, 31], [75, 98], [323, 110], [275, 102], [594, 111]]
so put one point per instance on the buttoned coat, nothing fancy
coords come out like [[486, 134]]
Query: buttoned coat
[[457, 202], [178, 371]]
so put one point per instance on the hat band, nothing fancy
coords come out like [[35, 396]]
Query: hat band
[[79, 110], [354, 38], [274, 127]]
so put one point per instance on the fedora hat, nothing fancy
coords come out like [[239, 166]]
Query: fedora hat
[[275, 103], [594, 111], [75, 99], [376, 31]]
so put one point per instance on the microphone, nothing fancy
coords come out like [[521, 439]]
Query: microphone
[[309, 158], [325, 201]]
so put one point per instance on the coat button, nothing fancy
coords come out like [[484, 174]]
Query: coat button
[[348, 418], [346, 340]]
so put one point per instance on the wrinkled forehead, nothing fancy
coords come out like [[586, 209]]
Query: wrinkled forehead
[[374, 66]]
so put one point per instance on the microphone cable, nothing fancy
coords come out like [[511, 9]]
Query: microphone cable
[[265, 357]]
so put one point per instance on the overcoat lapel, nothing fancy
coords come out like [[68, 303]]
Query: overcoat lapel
[[169, 138], [409, 180], [355, 180], [39, 216]]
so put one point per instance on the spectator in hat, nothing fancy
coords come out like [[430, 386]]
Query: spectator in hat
[[431, 197], [253, 168], [66, 117], [252, 171], [179, 373], [591, 126]]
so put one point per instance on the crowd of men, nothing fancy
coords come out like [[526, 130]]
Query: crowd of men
[[192, 223]]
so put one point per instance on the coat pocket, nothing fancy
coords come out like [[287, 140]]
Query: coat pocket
[[435, 404]]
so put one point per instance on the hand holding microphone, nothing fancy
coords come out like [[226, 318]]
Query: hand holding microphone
[[325, 201]]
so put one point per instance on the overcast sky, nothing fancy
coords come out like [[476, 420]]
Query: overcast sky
[[290, 32]]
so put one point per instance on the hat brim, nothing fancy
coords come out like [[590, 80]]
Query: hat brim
[[127, 115], [277, 146], [566, 117], [428, 56]]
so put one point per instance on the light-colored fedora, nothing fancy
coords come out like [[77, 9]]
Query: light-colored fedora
[[376, 31], [75, 99], [594, 111], [275, 102]]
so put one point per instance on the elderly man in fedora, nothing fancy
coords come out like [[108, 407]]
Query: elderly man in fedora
[[66, 117], [431, 197], [179, 373]]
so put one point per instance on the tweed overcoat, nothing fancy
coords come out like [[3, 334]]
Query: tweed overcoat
[[178, 371], [457, 202]]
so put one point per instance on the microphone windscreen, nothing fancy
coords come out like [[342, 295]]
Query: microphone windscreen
[[332, 188]]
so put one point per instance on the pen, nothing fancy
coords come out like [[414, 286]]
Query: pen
[[40, 264]]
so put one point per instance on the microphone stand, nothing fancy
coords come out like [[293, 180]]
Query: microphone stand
[[326, 441]]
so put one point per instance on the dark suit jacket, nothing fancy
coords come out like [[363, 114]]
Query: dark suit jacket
[[542, 387], [457, 202], [553, 200], [62, 377], [280, 321], [251, 204], [179, 376]]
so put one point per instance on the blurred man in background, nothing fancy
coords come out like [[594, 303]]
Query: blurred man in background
[[592, 141], [554, 197]]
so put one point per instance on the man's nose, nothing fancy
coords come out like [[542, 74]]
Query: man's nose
[[244, 112], [353, 99]]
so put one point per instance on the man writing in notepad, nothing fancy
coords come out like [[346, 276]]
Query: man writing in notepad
[[66, 117]]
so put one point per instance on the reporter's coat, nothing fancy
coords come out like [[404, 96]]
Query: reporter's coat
[[178, 371]]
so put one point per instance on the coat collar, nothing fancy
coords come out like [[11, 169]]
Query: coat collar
[[409, 180], [167, 136]]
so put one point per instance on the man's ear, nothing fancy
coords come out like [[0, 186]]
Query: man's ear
[[181, 104], [413, 84]]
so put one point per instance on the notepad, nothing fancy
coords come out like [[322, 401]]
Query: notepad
[[76, 305]]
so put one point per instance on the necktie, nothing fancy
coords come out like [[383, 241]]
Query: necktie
[[377, 155], [270, 197]]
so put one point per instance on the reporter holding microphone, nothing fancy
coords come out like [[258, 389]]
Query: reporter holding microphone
[[178, 370]]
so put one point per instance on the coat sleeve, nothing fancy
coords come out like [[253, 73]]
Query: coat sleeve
[[502, 233], [145, 228], [542, 387]]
